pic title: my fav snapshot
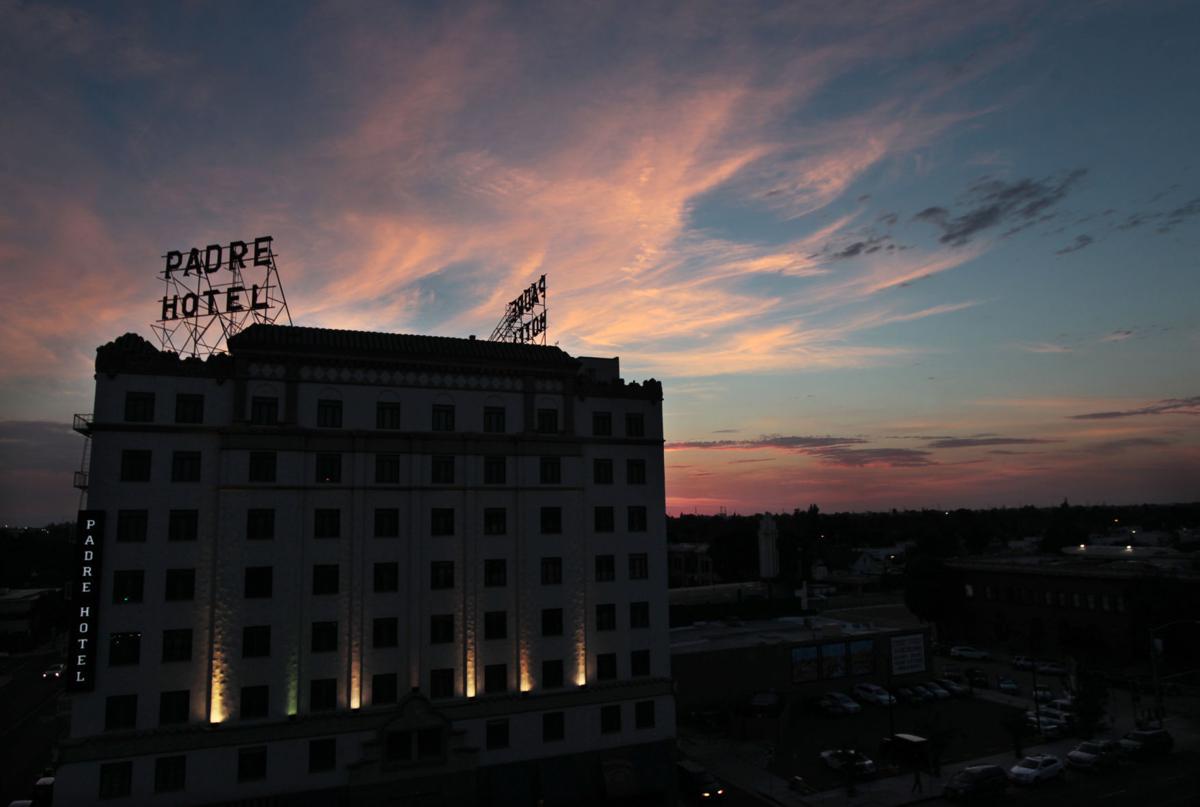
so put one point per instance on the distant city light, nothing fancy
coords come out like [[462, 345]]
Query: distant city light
[[1083, 546]]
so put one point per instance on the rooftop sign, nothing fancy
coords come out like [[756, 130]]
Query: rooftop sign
[[524, 320]]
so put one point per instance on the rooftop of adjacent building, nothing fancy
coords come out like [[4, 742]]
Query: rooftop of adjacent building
[[1090, 561], [707, 637]]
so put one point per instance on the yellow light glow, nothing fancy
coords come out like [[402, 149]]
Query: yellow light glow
[[216, 706]]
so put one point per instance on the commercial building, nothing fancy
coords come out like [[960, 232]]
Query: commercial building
[[381, 567]]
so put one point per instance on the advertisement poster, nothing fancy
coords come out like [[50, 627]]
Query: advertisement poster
[[908, 654], [805, 665], [833, 660], [862, 657]]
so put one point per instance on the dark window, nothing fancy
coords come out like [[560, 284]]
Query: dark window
[[547, 421], [494, 471], [554, 727], [387, 522], [189, 408], [185, 466], [606, 616], [180, 585], [495, 624], [606, 568], [177, 644], [329, 414], [135, 465], [387, 576], [610, 719], [260, 524], [385, 631], [441, 683], [495, 572], [552, 673], [264, 411], [493, 419], [322, 754], [387, 469], [124, 648], [552, 622], [551, 520], [387, 415], [132, 525], [601, 424], [602, 471], [443, 417], [322, 694], [252, 763], [325, 578], [127, 586], [442, 470], [441, 629], [170, 774], [550, 470], [329, 468], [441, 574], [255, 702], [496, 734], [495, 678], [120, 712], [324, 637], [429, 743], [495, 521], [639, 614], [635, 425], [551, 571], [441, 521], [603, 519], [639, 663], [639, 566], [183, 525], [116, 779], [262, 466], [384, 688], [139, 407], [258, 581], [174, 706], [643, 715], [327, 523], [399, 746], [635, 472], [637, 518], [256, 641]]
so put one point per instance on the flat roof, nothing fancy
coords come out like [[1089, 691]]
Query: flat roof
[[706, 637], [1080, 564]]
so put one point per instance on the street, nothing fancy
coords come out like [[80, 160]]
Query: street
[[29, 721]]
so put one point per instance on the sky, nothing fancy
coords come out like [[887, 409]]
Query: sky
[[881, 255]]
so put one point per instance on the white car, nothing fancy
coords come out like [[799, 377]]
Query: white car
[[1036, 768], [873, 693], [844, 758], [1045, 726], [966, 651], [847, 703], [1095, 754], [937, 691]]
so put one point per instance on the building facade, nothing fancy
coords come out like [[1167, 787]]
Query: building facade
[[374, 565]]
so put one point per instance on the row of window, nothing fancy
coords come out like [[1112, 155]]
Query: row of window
[[1060, 599]]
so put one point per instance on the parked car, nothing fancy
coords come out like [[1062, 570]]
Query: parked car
[[952, 674], [1036, 768], [54, 671], [1050, 668], [848, 704], [1043, 694], [843, 759], [827, 706], [953, 687], [697, 785], [906, 695], [1007, 685], [966, 651], [976, 780], [1147, 743], [1022, 662], [1044, 725], [873, 693], [977, 678], [1057, 715], [1095, 754], [922, 694], [937, 691]]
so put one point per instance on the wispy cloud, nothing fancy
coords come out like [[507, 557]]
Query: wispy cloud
[[975, 442], [1170, 406]]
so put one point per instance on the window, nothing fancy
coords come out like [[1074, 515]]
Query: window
[[496, 734], [610, 719], [495, 521], [183, 525], [139, 407], [494, 471], [132, 525], [635, 425], [547, 421], [551, 571], [495, 572], [441, 521], [636, 518], [441, 683], [493, 419], [127, 586], [124, 648], [116, 779], [185, 466], [327, 523], [174, 706], [181, 585], [442, 470], [384, 688], [325, 578], [324, 637], [387, 415], [429, 743], [639, 614], [256, 641], [387, 469], [639, 663], [329, 468], [635, 472], [262, 466], [399, 746], [189, 408], [135, 465], [601, 424], [606, 616], [120, 712], [322, 694], [495, 678], [170, 774], [322, 754], [443, 417], [258, 581], [602, 471], [329, 414], [252, 764], [495, 624], [441, 629], [551, 520], [643, 715], [387, 522], [176, 645], [264, 411], [260, 524], [385, 631], [550, 471], [552, 622], [552, 673], [387, 576], [639, 566], [553, 727], [441, 574], [603, 519]]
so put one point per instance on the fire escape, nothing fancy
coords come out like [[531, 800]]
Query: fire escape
[[83, 425]]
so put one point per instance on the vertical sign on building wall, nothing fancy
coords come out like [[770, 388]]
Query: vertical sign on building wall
[[908, 654], [85, 599]]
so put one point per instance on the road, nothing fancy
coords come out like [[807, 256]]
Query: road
[[29, 726]]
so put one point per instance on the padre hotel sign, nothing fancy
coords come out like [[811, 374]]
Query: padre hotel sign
[[85, 601]]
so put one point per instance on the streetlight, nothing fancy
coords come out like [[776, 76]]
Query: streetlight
[[1158, 693]]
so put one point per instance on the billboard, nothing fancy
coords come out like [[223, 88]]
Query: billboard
[[908, 654], [805, 664], [833, 660], [862, 657]]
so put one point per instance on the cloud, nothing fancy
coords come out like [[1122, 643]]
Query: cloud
[[1170, 406], [789, 442], [991, 202], [1080, 242], [1044, 347], [1126, 444], [1119, 335], [839, 451], [973, 442]]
